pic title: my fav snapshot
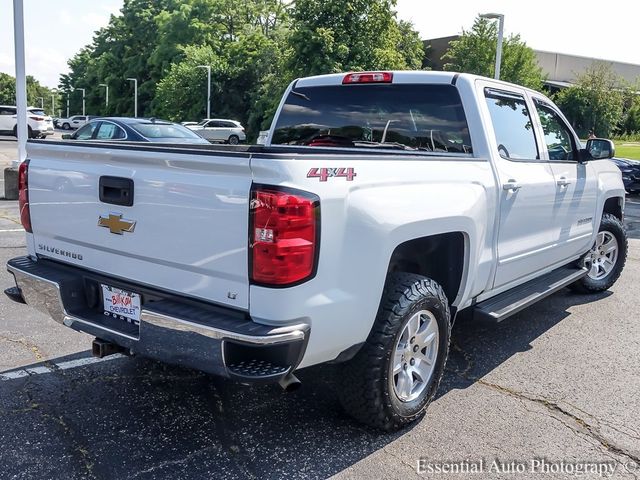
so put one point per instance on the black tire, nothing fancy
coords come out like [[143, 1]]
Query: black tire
[[15, 131], [610, 223], [367, 382], [66, 126], [234, 140]]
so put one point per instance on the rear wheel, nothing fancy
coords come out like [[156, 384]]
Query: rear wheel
[[395, 375], [606, 258], [66, 126], [234, 140]]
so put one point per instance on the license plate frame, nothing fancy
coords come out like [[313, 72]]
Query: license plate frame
[[121, 304]]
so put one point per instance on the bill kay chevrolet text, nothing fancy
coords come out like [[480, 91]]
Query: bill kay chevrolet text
[[382, 205]]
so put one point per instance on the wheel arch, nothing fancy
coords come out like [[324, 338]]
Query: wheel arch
[[614, 206], [441, 257]]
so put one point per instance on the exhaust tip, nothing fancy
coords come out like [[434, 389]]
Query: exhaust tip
[[290, 383]]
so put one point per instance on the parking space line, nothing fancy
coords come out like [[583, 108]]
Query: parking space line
[[11, 230], [79, 362]]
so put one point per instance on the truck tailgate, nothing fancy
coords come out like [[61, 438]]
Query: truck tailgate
[[186, 230]]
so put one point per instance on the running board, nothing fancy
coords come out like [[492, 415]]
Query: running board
[[512, 301]]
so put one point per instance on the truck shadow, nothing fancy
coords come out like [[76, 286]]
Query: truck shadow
[[134, 418]]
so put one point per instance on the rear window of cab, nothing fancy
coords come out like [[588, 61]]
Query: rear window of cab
[[408, 117]]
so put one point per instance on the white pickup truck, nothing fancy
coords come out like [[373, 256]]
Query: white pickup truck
[[382, 205]]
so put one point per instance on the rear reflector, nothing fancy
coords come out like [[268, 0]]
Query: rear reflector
[[23, 195], [284, 235], [368, 77]]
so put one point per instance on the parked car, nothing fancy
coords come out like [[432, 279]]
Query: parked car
[[74, 122], [135, 130], [220, 130], [39, 124], [630, 173], [383, 206]]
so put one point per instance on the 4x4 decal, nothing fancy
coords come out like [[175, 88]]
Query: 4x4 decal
[[325, 173]]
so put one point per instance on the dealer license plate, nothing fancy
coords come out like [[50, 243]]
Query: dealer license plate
[[121, 304]]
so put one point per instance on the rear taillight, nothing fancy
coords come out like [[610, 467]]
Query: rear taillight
[[368, 77], [23, 195], [37, 119], [284, 235]]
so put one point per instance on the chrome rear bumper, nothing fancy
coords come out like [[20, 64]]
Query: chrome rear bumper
[[194, 334]]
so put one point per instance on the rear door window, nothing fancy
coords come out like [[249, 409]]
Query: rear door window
[[109, 131], [411, 117], [512, 125]]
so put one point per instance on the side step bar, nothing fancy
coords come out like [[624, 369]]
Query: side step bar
[[512, 301]]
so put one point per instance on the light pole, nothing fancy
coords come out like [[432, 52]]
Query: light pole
[[106, 95], [135, 95], [21, 82], [83, 90], [53, 102], [500, 18], [208, 67], [67, 104]]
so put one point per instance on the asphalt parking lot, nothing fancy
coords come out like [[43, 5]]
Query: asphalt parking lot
[[559, 381]]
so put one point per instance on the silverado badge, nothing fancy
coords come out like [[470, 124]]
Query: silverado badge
[[116, 224]]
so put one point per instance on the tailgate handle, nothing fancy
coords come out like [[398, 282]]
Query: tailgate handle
[[116, 191]]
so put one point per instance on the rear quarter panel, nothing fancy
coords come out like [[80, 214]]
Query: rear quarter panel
[[391, 200]]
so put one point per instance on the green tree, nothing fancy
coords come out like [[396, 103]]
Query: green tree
[[475, 52], [35, 91], [632, 119], [595, 102], [330, 36], [7, 89], [181, 94]]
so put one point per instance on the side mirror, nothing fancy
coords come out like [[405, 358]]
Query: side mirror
[[67, 136], [600, 148]]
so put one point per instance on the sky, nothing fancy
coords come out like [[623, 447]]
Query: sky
[[55, 30]]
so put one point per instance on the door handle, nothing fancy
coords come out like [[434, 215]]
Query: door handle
[[511, 186], [563, 182]]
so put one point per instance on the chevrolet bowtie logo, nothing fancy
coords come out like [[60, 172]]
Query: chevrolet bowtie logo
[[116, 224]]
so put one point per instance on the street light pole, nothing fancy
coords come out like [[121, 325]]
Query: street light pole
[[83, 90], [135, 95], [21, 82], [106, 92], [67, 104], [500, 18], [53, 102], [208, 67]]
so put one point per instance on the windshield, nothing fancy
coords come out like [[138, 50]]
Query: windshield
[[164, 130], [203, 123], [37, 111], [397, 116]]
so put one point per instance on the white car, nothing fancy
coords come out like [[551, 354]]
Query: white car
[[74, 122], [39, 123], [220, 130], [382, 206]]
